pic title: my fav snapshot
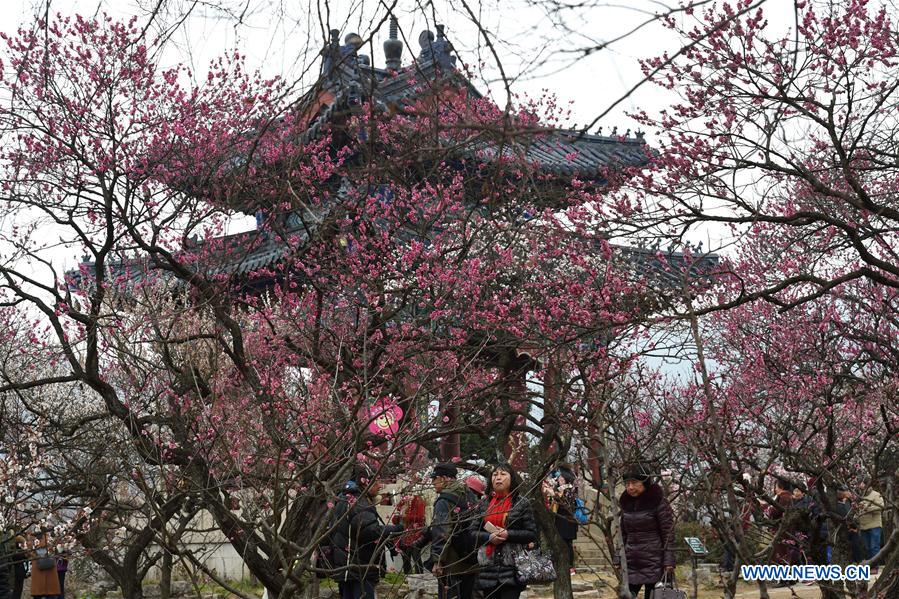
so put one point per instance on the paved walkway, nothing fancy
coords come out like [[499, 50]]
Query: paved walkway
[[744, 591], [801, 591]]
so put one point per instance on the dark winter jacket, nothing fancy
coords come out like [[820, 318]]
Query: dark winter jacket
[[847, 531], [20, 573], [565, 521], [811, 533], [358, 537], [647, 528], [7, 551], [499, 569], [787, 523], [807, 503], [451, 545]]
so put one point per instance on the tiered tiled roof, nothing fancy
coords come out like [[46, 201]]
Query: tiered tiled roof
[[348, 80]]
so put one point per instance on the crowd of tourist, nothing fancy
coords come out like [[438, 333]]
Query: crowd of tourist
[[479, 528], [475, 540], [802, 519], [483, 534], [32, 558], [483, 541]]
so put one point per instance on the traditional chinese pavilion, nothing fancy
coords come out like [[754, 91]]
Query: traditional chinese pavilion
[[349, 80]]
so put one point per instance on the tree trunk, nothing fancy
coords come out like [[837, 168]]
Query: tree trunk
[[547, 522], [165, 576], [312, 590], [516, 444], [617, 539], [730, 583], [131, 587]]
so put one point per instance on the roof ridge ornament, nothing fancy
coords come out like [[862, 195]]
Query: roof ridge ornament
[[438, 50], [340, 65], [331, 54], [393, 47]]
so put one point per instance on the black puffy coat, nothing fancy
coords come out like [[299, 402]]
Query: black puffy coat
[[6, 568], [20, 558], [851, 538], [522, 528], [647, 527], [358, 537], [451, 548], [566, 523]]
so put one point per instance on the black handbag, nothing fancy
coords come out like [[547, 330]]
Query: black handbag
[[44, 561], [667, 589], [325, 560], [533, 566]]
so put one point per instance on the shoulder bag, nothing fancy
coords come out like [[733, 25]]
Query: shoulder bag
[[533, 566], [667, 589], [44, 561]]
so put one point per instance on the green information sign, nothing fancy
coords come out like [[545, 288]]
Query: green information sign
[[696, 546]]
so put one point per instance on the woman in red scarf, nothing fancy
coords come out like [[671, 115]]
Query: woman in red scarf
[[504, 521], [410, 513]]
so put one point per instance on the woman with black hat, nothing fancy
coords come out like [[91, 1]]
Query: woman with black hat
[[358, 537], [20, 567], [647, 529]]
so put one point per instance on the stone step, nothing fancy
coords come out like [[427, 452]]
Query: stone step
[[597, 559], [597, 568], [587, 541], [579, 588], [425, 587], [587, 566], [590, 550]]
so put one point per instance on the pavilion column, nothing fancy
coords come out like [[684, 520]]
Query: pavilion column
[[596, 446], [552, 394], [451, 443], [515, 447], [594, 456]]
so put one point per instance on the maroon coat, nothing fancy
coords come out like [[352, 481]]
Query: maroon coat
[[647, 526], [784, 549]]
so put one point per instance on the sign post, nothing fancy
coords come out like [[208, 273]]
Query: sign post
[[697, 550]]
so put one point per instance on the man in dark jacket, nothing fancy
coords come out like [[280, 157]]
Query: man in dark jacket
[[20, 572], [357, 540], [847, 531], [810, 536], [7, 551], [453, 557]]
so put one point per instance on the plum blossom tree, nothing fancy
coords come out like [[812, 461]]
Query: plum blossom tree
[[788, 133], [24, 419], [403, 258], [782, 143], [803, 396]]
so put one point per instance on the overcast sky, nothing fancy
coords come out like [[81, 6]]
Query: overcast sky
[[277, 36]]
